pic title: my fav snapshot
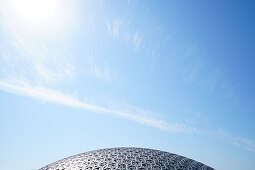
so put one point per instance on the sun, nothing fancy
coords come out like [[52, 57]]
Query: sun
[[38, 17], [36, 11]]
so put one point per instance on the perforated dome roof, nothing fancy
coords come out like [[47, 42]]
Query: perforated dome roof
[[126, 159]]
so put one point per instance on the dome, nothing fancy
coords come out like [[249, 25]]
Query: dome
[[126, 159]]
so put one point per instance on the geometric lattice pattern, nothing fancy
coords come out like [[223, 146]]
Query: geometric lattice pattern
[[126, 159]]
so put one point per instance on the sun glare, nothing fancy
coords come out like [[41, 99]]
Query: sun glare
[[39, 17], [36, 11]]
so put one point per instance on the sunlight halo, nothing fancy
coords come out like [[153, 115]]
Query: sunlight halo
[[38, 17]]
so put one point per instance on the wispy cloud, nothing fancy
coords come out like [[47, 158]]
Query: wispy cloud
[[97, 69], [200, 69], [56, 96], [214, 77], [50, 65], [206, 73], [245, 143], [196, 64], [102, 72], [119, 29], [137, 40], [114, 27], [240, 141]]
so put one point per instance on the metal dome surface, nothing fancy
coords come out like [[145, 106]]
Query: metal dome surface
[[126, 159]]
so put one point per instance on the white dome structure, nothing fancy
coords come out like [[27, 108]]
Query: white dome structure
[[126, 159]]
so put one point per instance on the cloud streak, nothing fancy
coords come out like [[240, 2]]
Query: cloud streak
[[240, 141], [245, 143], [141, 116], [56, 96]]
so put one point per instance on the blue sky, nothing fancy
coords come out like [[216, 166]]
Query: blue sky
[[82, 75]]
